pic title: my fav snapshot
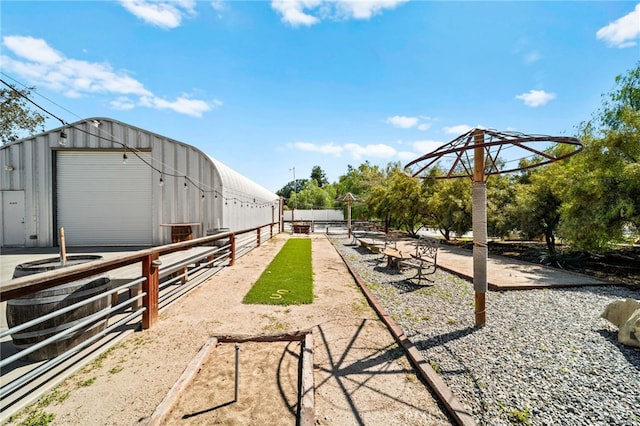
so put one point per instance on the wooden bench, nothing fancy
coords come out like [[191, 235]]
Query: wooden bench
[[424, 261]]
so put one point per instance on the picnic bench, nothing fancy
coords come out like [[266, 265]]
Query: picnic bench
[[424, 260], [395, 256]]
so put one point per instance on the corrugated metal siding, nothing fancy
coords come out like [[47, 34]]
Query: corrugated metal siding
[[32, 159], [245, 203], [102, 202]]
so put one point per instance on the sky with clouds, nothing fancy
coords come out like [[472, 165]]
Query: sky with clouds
[[276, 87]]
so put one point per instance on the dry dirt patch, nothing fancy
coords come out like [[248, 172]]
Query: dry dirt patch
[[361, 376]]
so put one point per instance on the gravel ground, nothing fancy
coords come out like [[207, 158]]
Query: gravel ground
[[545, 357]]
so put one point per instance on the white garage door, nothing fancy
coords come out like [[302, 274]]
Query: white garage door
[[102, 202]]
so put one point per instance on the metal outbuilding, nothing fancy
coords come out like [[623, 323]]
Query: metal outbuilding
[[108, 183]]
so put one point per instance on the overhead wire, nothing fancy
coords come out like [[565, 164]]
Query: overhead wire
[[114, 139]]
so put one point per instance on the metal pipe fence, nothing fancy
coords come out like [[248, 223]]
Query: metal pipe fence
[[155, 287]]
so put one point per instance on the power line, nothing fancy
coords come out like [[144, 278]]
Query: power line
[[113, 139]]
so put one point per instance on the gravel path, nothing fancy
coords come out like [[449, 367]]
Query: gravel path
[[545, 357]]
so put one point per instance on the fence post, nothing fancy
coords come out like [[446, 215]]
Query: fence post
[[258, 245], [232, 247], [150, 288]]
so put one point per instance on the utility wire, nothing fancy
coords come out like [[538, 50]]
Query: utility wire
[[113, 139]]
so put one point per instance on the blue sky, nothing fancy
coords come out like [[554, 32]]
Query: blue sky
[[269, 86]]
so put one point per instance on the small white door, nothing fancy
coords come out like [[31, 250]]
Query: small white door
[[13, 219]]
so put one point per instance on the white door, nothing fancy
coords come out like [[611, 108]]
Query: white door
[[13, 219], [101, 201]]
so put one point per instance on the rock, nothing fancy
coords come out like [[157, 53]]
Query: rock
[[626, 315], [629, 332], [618, 312]]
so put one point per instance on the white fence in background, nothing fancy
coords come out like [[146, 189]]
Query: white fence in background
[[313, 215]]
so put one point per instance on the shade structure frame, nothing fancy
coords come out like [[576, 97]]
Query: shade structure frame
[[480, 142], [491, 139]]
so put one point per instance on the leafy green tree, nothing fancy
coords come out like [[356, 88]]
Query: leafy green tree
[[360, 182], [290, 189], [313, 197], [16, 116], [319, 176], [600, 197], [536, 210], [449, 205], [501, 195], [401, 202]]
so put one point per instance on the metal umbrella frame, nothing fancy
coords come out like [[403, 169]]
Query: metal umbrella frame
[[476, 154]]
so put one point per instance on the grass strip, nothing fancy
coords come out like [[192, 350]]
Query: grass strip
[[288, 280]]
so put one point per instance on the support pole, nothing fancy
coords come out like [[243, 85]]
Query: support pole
[[235, 399], [479, 214], [349, 216], [63, 248], [150, 268]]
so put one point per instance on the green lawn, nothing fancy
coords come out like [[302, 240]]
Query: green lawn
[[288, 280]]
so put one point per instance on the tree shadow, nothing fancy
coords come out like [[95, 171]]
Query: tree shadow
[[361, 370]]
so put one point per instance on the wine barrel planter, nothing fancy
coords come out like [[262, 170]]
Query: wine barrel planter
[[35, 305]]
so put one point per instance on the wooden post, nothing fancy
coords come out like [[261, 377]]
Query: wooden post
[[232, 247], [63, 248], [479, 213], [258, 237], [349, 216], [150, 288]]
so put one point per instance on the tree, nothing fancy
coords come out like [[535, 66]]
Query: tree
[[449, 205], [291, 188], [16, 116], [536, 210], [360, 182], [313, 197], [400, 202], [501, 195], [600, 198], [319, 175]]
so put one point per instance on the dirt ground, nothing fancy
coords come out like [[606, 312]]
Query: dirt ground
[[361, 376]]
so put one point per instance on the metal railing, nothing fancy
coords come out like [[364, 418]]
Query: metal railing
[[156, 286]]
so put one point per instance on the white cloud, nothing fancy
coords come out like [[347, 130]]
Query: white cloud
[[329, 148], [407, 156], [402, 121], [310, 12], [375, 151], [43, 66], [32, 49], [371, 151], [163, 14], [122, 103], [622, 32], [365, 9], [531, 57], [536, 98], [292, 11], [183, 105], [354, 150], [458, 130], [218, 5], [424, 147]]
